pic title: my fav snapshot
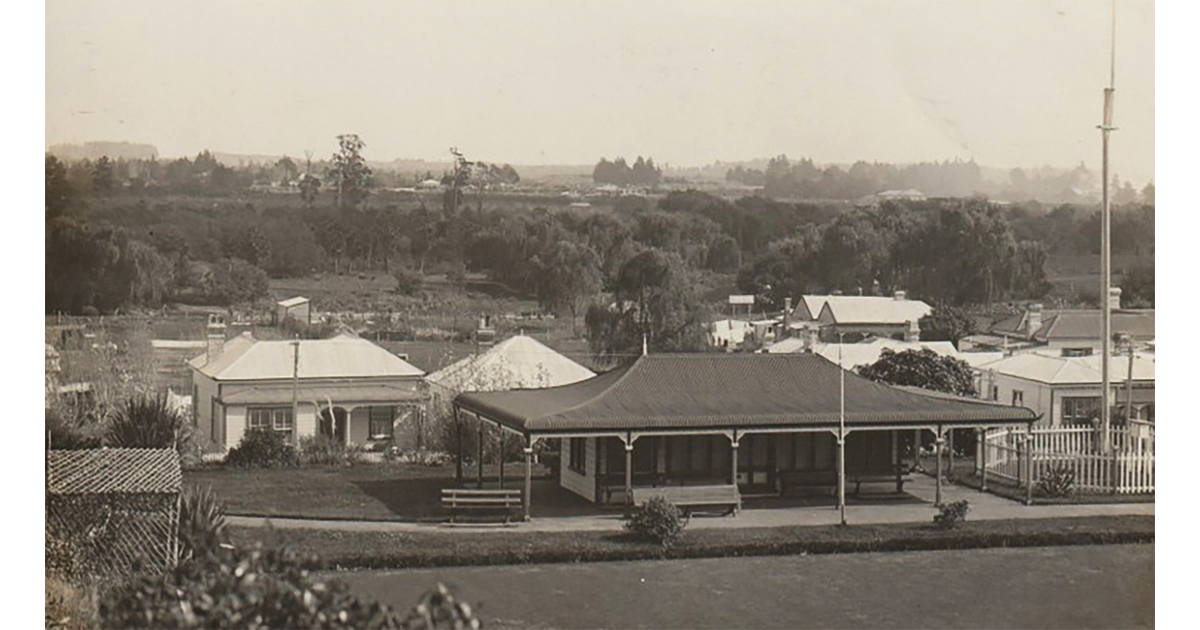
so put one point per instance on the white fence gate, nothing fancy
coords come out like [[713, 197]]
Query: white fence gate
[[1128, 468]]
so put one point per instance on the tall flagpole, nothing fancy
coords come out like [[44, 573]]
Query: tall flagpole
[[1105, 249], [841, 433]]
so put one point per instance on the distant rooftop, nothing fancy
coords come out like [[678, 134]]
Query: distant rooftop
[[344, 356]]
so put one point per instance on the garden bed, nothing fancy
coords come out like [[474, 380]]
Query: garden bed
[[395, 550]]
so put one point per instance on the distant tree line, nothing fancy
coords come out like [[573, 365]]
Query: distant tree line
[[618, 173]]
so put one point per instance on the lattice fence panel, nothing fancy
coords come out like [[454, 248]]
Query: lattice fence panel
[[114, 534]]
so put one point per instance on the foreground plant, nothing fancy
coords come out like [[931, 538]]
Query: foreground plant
[[146, 422], [657, 520]]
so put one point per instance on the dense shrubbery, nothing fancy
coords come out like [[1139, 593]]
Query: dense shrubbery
[[1056, 482], [658, 521], [324, 450], [951, 515], [264, 587], [409, 281], [147, 422], [262, 448], [66, 435], [201, 522]]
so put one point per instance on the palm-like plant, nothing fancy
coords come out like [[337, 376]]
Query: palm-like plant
[[201, 522], [146, 422]]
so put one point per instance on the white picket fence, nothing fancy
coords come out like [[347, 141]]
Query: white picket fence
[[1127, 469]]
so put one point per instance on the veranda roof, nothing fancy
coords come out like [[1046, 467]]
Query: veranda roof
[[113, 471], [726, 391]]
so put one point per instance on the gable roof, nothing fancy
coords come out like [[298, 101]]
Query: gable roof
[[517, 362], [245, 358], [1060, 370], [864, 309], [717, 390], [113, 471], [1078, 324]]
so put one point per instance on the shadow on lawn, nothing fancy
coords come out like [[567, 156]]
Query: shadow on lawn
[[408, 499]]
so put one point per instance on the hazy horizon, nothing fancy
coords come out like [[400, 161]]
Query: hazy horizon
[[1008, 84]]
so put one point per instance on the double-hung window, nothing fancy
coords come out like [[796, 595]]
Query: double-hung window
[[1080, 410], [380, 421], [272, 418]]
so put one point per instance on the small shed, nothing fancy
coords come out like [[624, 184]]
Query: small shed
[[111, 510], [296, 308]]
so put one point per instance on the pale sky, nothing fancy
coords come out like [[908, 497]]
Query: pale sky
[[1008, 83]]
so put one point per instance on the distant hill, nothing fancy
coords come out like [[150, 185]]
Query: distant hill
[[97, 150]]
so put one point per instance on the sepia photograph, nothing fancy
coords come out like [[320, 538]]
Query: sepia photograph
[[582, 315]]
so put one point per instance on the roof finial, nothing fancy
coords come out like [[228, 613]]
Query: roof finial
[[645, 346]]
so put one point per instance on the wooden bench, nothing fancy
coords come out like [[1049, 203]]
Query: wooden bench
[[859, 478], [827, 479], [506, 503], [694, 498]]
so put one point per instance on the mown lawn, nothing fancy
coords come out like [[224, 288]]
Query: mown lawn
[[386, 491], [390, 550]]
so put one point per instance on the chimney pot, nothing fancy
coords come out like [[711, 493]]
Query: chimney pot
[[215, 336], [1114, 298], [901, 295], [913, 333], [1033, 320]]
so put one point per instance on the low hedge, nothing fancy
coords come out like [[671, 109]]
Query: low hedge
[[385, 550]]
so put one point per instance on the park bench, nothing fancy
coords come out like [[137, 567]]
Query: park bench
[[505, 503], [694, 498], [827, 479], [880, 476]]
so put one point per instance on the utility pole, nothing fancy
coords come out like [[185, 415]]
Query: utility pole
[[296, 385], [1105, 254]]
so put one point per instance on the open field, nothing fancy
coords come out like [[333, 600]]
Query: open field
[[1048, 587]]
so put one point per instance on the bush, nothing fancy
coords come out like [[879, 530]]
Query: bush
[[264, 587], [420, 457], [201, 522], [951, 515], [262, 448], [408, 281], [147, 422], [1056, 482], [66, 435], [657, 520], [324, 450]]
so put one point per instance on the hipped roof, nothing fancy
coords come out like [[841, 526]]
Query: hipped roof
[[245, 358], [516, 362], [682, 391]]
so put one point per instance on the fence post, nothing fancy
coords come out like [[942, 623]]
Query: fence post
[[1028, 450], [981, 446]]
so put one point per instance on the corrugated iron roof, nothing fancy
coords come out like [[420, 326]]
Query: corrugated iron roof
[[1060, 370], [1087, 325], [862, 309], [245, 358], [515, 363], [113, 471], [682, 391], [296, 301]]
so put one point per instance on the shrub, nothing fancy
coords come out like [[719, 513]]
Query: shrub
[[66, 435], [262, 448], [324, 450], [146, 422], [420, 457], [951, 515], [1056, 482], [657, 520], [264, 587], [408, 281], [201, 522]]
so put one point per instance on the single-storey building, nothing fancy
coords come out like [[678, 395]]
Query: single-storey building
[[1074, 332], [861, 316], [297, 309], [1065, 390], [713, 418], [346, 388]]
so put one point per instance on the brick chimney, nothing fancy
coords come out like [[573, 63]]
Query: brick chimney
[[811, 335], [913, 333], [1033, 320], [787, 318], [1114, 298], [900, 296], [216, 336]]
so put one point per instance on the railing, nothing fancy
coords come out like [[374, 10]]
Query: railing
[[1127, 469]]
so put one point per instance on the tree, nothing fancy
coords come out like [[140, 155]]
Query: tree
[[310, 185], [349, 172], [103, 179], [922, 368], [656, 302], [286, 170], [947, 323], [59, 192], [570, 278], [1137, 287]]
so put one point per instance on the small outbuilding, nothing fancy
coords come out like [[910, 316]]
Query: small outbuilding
[[109, 510], [296, 308]]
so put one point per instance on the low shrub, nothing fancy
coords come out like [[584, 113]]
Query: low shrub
[[1056, 482], [420, 457], [71, 604], [262, 448], [202, 527], [409, 281], [951, 515], [66, 434], [658, 521], [324, 450], [264, 587]]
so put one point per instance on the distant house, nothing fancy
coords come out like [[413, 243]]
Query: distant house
[[346, 388], [1066, 390], [728, 333], [854, 355], [297, 309], [860, 316], [1073, 332]]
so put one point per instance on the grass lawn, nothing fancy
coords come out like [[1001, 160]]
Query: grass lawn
[[385, 491], [393, 550]]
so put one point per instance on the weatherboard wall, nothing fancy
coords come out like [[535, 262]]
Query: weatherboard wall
[[582, 484]]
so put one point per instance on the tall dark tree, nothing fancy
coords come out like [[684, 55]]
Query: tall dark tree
[[922, 368], [349, 173], [947, 323]]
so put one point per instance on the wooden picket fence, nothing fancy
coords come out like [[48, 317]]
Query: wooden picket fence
[[1127, 469]]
